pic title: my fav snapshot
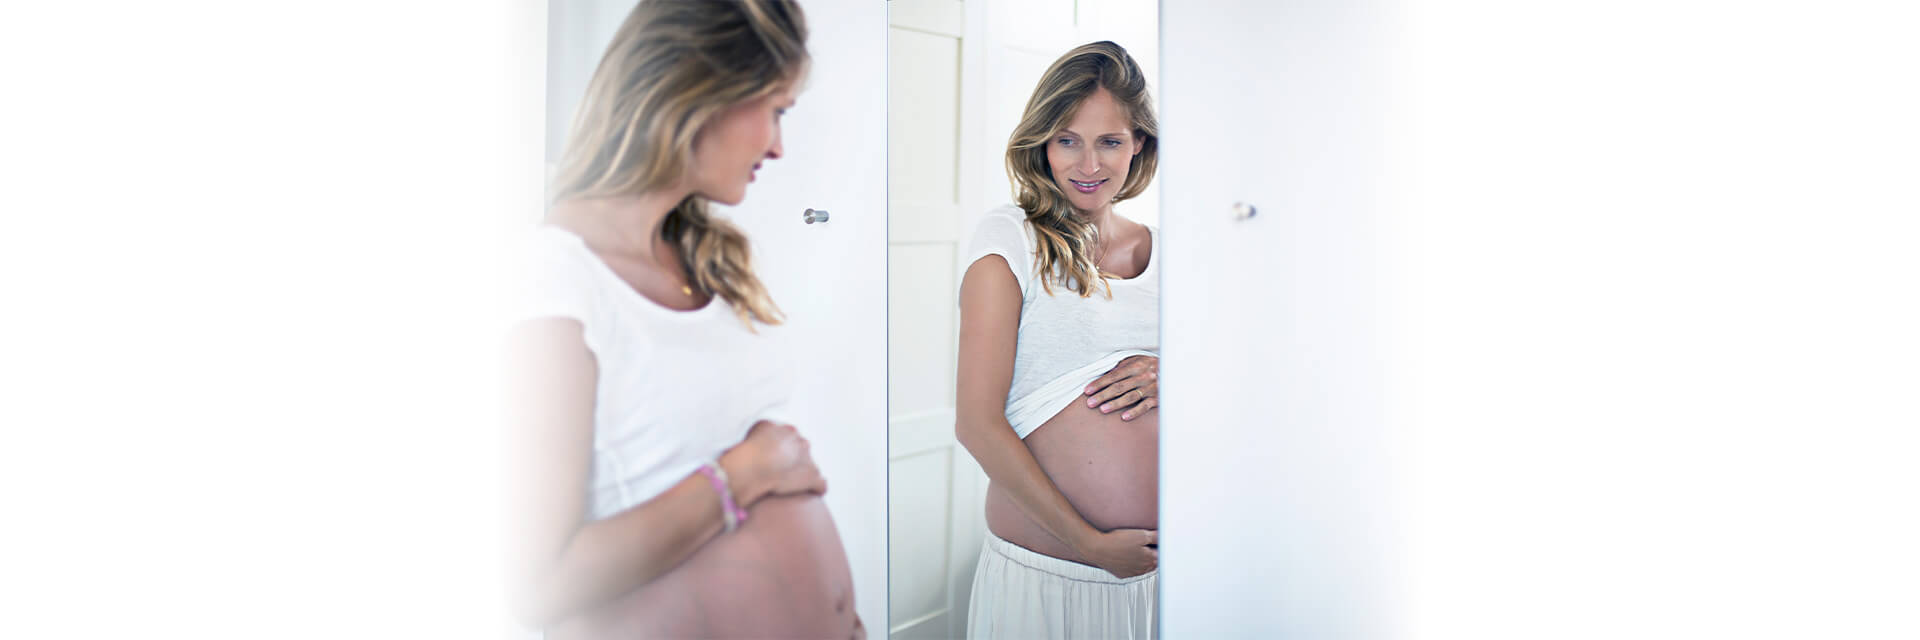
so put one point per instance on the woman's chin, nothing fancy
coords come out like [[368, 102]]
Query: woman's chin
[[1085, 202], [730, 196]]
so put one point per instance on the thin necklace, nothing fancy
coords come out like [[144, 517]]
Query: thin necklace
[[686, 288], [1100, 244]]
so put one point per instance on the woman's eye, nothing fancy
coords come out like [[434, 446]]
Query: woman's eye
[[1110, 142], [1066, 142]]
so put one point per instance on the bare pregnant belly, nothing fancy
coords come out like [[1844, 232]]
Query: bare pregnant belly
[[1108, 468], [783, 574]]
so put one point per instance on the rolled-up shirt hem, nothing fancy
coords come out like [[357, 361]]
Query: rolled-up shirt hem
[[1034, 409]]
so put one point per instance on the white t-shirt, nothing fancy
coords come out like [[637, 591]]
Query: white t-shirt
[[1066, 341], [676, 388]]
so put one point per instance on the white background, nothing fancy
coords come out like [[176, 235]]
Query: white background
[[246, 258]]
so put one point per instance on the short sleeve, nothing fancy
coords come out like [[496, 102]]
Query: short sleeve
[[1003, 232], [779, 355], [555, 281]]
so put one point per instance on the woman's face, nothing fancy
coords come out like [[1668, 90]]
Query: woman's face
[[729, 149], [1090, 157]]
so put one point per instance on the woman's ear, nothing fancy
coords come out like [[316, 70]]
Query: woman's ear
[[1139, 141]]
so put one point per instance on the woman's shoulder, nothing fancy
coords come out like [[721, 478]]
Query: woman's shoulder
[[1009, 211], [1152, 230], [551, 274], [1151, 227], [549, 252], [547, 243], [1003, 231], [1003, 225]]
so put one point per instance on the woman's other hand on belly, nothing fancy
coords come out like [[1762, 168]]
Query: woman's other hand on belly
[[1125, 553]]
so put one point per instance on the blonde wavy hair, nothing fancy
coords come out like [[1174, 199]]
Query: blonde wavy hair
[[1066, 243], [672, 68]]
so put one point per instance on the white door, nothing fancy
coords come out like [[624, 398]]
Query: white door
[[1272, 459], [934, 486], [829, 277], [1551, 320]]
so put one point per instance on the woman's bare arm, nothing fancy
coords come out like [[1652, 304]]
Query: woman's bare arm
[[989, 333], [563, 563]]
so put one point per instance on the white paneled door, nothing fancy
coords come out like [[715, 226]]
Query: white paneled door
[[935, 488], [829, 277]]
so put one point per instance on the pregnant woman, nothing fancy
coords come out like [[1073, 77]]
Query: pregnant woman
[[659, 492], [1059, 336]]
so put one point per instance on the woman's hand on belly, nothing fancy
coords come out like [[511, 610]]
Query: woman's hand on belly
[[773, 460], [783, 573], [1131, 387], [1108, 469]]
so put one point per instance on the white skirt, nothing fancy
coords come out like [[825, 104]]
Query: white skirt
[[1019, 594]]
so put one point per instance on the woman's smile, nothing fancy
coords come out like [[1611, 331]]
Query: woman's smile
[[1088, 186]]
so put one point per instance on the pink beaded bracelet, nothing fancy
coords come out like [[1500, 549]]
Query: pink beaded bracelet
[[733, 514]]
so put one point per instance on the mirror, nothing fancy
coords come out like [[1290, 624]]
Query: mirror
[[959, 76]]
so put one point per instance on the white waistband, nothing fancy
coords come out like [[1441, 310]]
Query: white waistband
[[1055, 566]]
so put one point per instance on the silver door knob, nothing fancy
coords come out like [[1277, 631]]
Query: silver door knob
[[814, 215], [1242, 211]]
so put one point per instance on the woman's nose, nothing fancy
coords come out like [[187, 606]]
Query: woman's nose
[[1088, 163], [774, 152]]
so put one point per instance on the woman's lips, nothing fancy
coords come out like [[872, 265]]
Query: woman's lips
[[1088, 187]]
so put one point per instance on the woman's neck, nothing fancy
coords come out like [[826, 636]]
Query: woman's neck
[[623, 225], [1104, 221]]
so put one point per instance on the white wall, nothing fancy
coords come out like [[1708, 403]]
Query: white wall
[[1557, 321], [1657, 351], [1276, 511]]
